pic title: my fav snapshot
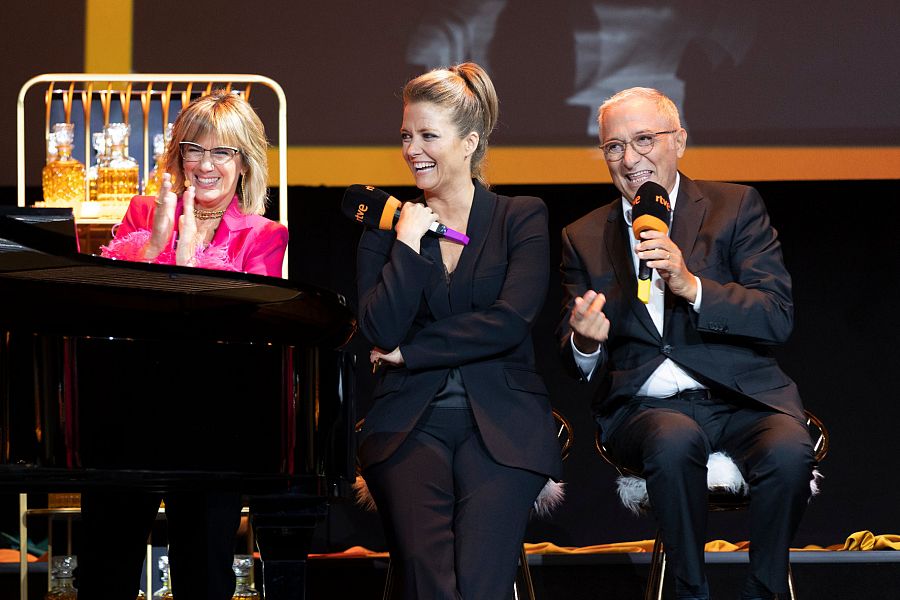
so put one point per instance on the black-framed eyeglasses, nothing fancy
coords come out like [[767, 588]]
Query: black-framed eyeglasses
[[191, 152], [642, 143]]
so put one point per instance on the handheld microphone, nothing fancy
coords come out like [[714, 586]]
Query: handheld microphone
[[650, 209], [376, 208]]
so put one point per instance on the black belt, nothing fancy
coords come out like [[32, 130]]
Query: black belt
[[690, 395]]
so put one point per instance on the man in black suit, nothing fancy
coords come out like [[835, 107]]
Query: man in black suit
[[691, 371]]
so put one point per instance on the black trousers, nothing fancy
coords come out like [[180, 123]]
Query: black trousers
[[115, 527], [669, 440], [453, 517]]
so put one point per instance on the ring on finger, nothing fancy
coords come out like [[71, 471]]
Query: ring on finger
[[668, 255]]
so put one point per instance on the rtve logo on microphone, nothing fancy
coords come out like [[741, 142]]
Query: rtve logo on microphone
[[659, 200], [363, 208]]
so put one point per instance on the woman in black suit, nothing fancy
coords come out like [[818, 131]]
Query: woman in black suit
[[459, 441]]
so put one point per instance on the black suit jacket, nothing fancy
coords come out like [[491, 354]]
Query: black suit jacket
[[724, 233], [480, 323]]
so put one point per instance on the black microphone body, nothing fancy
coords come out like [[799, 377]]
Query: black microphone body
[[650, 209], [644, 272], [376, 208]]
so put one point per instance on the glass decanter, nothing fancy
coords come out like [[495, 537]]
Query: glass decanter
[[117, 176], [62, 585], [243, 572], [165, 592], [62, 178]]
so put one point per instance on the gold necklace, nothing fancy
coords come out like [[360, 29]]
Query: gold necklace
[[205, 215]]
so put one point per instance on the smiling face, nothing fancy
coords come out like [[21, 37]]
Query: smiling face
[[625, 120], [439, 159], [214, 185]]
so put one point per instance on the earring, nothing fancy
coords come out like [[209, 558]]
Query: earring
[[243, 191]]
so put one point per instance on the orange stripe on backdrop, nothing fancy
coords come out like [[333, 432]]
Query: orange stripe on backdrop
[[340, 166], [108, 36]]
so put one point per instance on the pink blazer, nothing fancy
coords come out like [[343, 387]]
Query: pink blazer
[[245, 243]]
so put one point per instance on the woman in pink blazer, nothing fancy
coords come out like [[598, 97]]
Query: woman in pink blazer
[[208, 214], [209, 210]]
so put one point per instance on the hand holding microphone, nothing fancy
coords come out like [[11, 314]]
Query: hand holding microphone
[[376, 208], [414, 221], [650, 217], [649, 212]]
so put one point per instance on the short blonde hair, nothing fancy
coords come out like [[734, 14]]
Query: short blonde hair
[[468, 93], [664, 105], [230, 119]]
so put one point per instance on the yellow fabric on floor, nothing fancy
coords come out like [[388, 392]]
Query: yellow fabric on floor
[[859, 541], [639, 546], [866, 540], [353, 552], [550, 548]]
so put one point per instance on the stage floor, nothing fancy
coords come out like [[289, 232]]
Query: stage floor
[[828, 575]]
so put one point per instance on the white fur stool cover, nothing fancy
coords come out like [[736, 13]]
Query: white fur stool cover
[[722, 476]]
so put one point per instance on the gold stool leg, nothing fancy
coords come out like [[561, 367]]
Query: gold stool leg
[[388, 581], [792, 590], [525, 573], [657, 570]]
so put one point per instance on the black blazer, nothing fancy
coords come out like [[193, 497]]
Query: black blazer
[[480, 323], [724, 234]]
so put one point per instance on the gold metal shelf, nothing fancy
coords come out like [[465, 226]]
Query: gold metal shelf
[[150, 88]]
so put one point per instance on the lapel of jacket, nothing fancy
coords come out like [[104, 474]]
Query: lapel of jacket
[[232, 220], [618, 245], [477, 228], [690, 208]]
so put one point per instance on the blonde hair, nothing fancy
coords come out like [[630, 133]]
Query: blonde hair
[[231, 120], [468, 93], [664, 105]]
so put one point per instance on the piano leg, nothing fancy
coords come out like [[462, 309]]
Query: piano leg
[[283, 527]]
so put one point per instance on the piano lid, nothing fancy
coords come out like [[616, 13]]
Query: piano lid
[[49, 287]]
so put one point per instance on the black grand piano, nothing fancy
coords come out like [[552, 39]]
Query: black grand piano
[[91, 348]]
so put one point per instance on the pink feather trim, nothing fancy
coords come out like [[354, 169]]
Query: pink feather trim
[[214, 257], [127, 247], [130, 247]]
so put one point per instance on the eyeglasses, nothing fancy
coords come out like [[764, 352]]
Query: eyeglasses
[[191, 152], [642, 143]]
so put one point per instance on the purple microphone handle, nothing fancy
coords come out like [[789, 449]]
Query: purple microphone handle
[[452, 234]]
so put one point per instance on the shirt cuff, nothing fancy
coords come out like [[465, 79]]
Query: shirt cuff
[[586, 362], [699, 298]]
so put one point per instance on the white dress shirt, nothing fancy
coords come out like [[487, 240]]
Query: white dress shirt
[[668, 378]]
